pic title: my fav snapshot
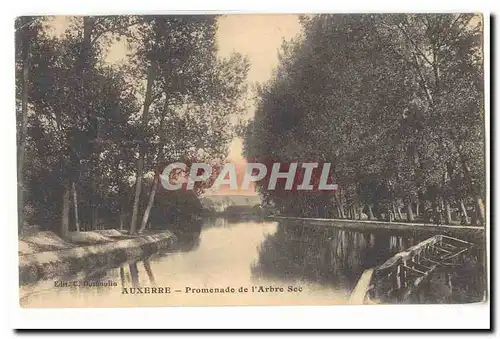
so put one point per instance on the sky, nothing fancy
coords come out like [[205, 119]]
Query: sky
[[259, 37], [256, 36]]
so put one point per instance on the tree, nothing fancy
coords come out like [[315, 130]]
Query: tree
[[26, 30], [84, 126], [392, 101], [187, 87], [62, 132]]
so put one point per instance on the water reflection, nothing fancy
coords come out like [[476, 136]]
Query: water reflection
[[324, 255], [327, 262], [131, 277], [337, 257], [187, 235], [149, 271]]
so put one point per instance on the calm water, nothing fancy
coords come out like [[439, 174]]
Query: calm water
[[283, 263]]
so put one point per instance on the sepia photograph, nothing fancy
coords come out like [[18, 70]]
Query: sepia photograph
[[251, 160]]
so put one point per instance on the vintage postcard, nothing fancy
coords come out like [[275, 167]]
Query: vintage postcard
[[251, 159]]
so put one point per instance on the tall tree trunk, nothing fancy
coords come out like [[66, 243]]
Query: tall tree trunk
[[479, 205], [447, 213], [448, 175], [417, 210], [156, 179], [353, 212], [65, 211], [75, 207], [360, 213], [465, 217], [341, 205], [394, 210], [138, 186], [480, 213], [145, 218], [94, 225], [390, 214], [341, 210], [370, 213], [121, 192], [122, 220], [24, 123], [87, 115], [93, 206], [437, 210], [399, 213], [409, 215], [142, 151]]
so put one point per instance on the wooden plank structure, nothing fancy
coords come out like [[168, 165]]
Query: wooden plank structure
[[401, 275]]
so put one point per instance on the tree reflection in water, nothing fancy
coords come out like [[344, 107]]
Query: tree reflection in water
[[187, 236], [323, 255], [131, 277], [337, 257]]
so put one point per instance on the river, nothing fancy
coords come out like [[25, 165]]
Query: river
[[256, 263]]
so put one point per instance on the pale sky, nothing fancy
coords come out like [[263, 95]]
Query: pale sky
[[257, 36]]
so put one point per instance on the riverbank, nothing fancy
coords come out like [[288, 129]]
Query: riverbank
[[45, 255], [372, 224]]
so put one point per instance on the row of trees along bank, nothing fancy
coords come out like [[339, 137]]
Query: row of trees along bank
[[89, 129], [394, 102]]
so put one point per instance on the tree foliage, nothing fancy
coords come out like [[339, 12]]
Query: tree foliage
[[86, 129], [393, 102]]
